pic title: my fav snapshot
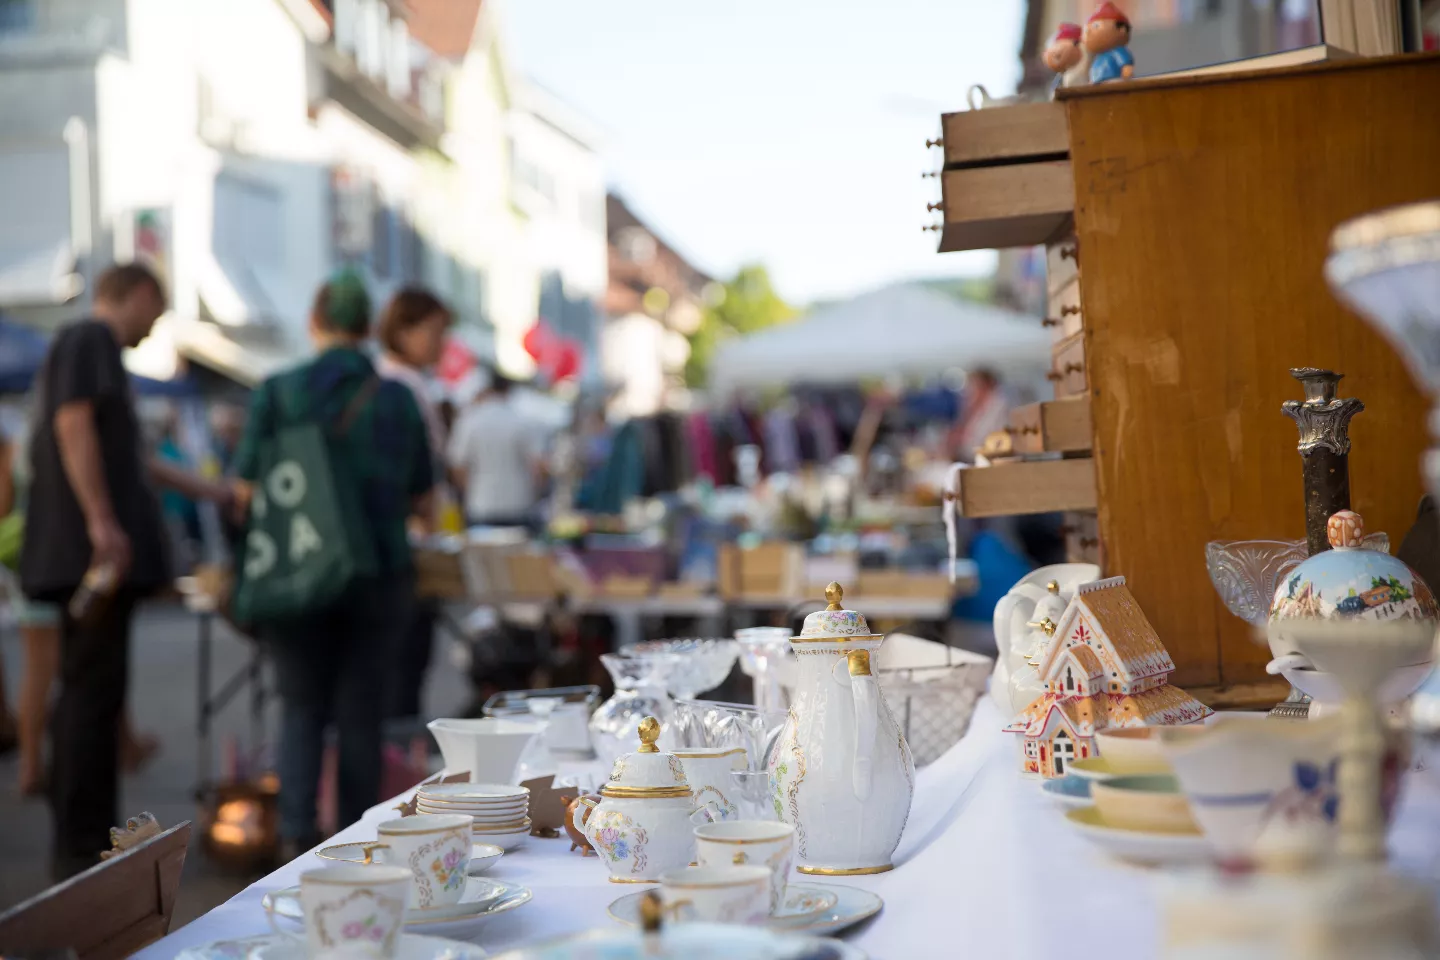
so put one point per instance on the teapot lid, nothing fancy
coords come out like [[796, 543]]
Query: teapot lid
[[647, 773], [834, 622]]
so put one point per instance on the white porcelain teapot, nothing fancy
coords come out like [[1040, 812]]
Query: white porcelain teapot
[[1019, 638], [643, 825], [841, 772]]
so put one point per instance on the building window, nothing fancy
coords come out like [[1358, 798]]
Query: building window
[[1069, 679], [17, 16]]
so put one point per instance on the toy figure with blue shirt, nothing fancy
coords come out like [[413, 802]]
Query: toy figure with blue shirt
[[1106, 34]]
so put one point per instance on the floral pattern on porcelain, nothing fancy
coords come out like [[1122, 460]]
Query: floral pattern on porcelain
[[835, 623], [1311, 795], [364, 915], [447, 870], [619, 838]]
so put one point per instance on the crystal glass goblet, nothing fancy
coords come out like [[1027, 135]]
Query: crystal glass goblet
[[640, 679], [697, 665], [766, 658]]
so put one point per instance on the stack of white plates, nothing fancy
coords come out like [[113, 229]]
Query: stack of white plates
[[501, 813]]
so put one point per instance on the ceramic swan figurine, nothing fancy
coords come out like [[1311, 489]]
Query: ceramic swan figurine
[[1014, 682]]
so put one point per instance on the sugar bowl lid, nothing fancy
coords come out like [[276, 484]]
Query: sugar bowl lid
[[1349, 580], [647, 773], [834, 623]]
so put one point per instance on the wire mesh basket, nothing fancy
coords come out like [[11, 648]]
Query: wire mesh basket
[[933, 705]]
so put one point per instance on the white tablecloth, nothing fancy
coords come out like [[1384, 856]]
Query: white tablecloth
[[986, 869]]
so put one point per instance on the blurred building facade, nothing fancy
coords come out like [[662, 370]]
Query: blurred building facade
[[247, 149], [654, 300]]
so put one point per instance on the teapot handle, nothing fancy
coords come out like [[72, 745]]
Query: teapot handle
[[867, 718], [710, 812]]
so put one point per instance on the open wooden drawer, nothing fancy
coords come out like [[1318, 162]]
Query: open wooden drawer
[[1007, 179], [1011, 487]]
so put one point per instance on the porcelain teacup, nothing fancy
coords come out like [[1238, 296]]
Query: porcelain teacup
[[352, 911], [720, 894], [434, 848], [1241, 773], [768, 843]]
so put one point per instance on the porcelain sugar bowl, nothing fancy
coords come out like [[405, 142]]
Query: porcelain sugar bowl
[[1346, 582], [841, 772], [643, 824]]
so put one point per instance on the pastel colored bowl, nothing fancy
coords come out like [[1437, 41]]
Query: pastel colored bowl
[[1151, 802], [1092, 769], [1241, 773], [1068, 792], [1131, 750]]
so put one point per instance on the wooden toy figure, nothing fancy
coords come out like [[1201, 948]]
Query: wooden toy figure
[[1106, 34], [1064, 54]]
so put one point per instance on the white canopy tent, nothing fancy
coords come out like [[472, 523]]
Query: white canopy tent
[[901, 330]]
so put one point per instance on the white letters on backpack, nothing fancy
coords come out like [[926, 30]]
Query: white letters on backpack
[[260, 554], [304, 538], [286, 484]]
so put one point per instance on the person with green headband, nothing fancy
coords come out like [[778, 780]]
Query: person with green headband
[[330, 661]]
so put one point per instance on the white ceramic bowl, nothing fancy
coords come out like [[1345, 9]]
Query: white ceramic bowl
[[490, 748]]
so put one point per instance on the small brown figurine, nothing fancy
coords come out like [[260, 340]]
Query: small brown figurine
[[574, 808], [135, 832], [547, 807], [1106, 34], [1064, 54]]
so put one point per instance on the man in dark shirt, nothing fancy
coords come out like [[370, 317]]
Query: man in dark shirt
[[92, 507]]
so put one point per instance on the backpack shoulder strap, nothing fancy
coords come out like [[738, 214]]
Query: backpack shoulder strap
[[363, 396]]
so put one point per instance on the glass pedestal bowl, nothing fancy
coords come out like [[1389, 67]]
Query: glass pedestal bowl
[[696, 665], [640, 678]]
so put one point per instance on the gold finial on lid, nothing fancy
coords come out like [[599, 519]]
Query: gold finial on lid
[[651, 912], [1053, 586], [1044, 623], [834, 593], [649, 733]]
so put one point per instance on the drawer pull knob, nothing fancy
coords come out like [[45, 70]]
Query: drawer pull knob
[[1049, 322], [935, 206], [937, 142], [1074, 367], [1089, 542], [1069, 253], [1068, 311], [933, 226], [929, 173], [1054, 375]]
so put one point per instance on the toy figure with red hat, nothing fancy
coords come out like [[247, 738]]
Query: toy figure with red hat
[[1106, 34], [1064, 53]]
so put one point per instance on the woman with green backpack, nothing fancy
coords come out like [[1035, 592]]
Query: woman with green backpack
[[334, 460]]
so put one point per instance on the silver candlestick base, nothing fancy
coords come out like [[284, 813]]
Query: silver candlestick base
[[1296, 706]]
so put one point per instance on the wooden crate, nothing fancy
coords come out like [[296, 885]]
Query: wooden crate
[[1015, 487], [1051, 426], [767, 570]]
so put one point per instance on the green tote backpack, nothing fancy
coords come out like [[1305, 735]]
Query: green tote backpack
[[307, 537]]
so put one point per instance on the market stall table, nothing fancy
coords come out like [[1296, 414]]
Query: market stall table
[[986, 869]]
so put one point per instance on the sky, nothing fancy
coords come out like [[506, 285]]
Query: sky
[[785, 132]]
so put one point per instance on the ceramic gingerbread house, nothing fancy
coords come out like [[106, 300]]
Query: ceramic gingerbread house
[[1104, 666]]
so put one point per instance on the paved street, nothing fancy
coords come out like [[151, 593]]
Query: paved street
[[163, 701]]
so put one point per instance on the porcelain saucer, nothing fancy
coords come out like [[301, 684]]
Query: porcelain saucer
[[274, 946], [505, 841], [851, 906], [1068, 792], [483, 856], [1140, 846], [689, 941], [482, 899]]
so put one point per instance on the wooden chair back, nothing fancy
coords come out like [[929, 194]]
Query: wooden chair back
[[114, 909]]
